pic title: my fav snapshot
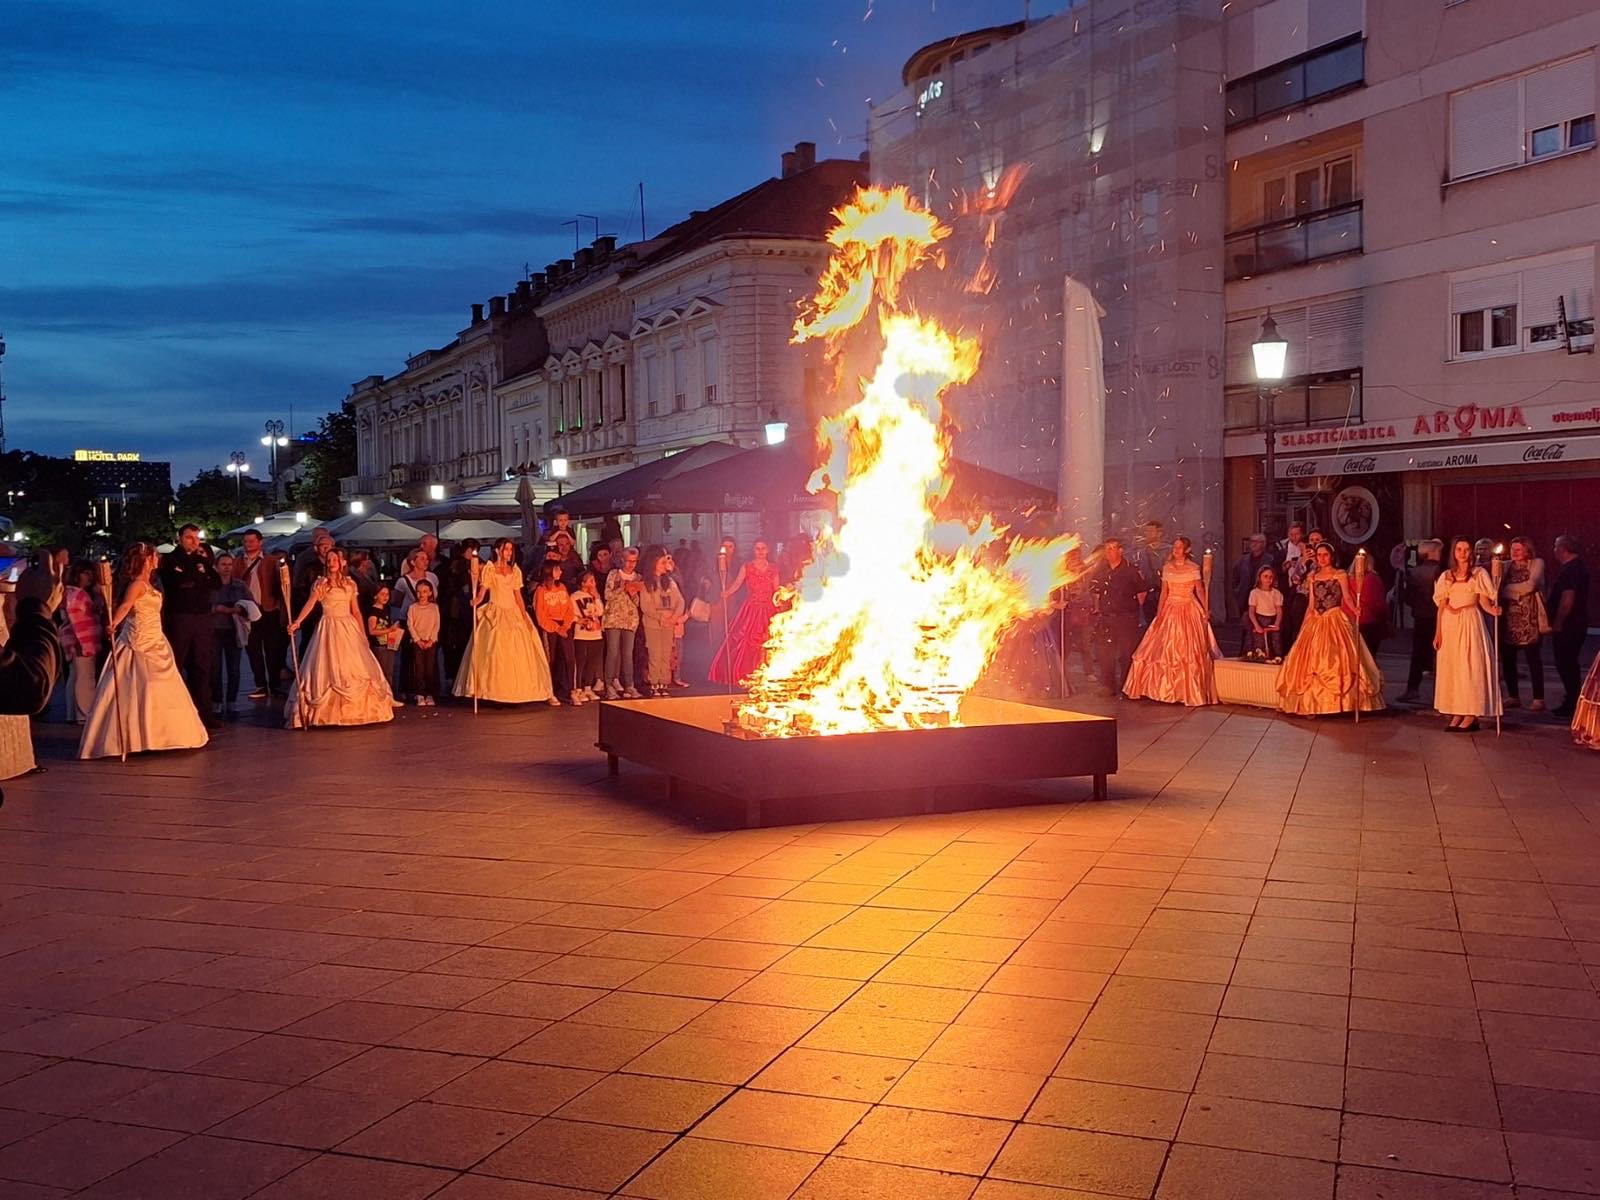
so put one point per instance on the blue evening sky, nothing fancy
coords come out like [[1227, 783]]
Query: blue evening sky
[[213, 213]]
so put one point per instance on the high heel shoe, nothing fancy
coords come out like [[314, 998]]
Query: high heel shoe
[[1472, 728]]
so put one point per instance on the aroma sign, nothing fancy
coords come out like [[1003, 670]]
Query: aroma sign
[[1470, 420]]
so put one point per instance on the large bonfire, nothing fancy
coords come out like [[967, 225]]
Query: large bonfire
[[898, 615]]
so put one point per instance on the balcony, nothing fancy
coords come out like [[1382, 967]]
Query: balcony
[[1325, 71], [404, 474], [1295, 241], [1331, 398], [355, 487]]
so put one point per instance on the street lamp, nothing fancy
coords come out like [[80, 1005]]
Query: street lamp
[[558, 472], [776, 432], [123, 488], [357, 507], [237, 466], [272, 439], [1271, 354], [436, 491], [12, 494]]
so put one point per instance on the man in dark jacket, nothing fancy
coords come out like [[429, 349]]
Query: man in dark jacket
[[1243, 582], [1119, 592], [1424, 615], [30, 662], [188, 580]]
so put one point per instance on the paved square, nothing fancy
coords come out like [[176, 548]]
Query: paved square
[[448, 958]]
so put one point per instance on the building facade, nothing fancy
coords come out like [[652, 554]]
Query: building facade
[[1414, 195]]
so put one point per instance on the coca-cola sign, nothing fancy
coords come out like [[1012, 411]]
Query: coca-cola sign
[[1545, 452], [1304, 469], [1361, 466]]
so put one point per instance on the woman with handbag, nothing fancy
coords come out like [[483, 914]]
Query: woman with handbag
[[1526, 623]]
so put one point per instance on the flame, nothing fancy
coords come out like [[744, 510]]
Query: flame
[[897, 615]]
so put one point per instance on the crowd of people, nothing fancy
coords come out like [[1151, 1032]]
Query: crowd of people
[[1141, 623]]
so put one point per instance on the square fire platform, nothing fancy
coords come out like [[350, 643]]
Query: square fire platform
[[745, 781]]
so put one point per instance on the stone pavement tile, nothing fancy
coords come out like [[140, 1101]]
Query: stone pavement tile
[[1040, 952], [1210, 1173], [745, 956], [67, 1035], [815, 992], [858, 1179], [14, 1066], [490, 962], [636, 1010], [235, 971], [278, 1058], [952, 973], [314, 1118], [1130, 1025], [530, 1088], [1278, 1040], [693, 1169], [1051, 982], [1317, 1085], [553, 939], [1135, 1066], [437, 1135], [488, 1187], [831, 964], [688, 979], [593, 1047], [1072, 1158], [157, 1001], [974, 1091], [707, 1059], [1292, 976], [581, 970], [187, 1103], [789, 1122], [644, 1102], [426, 989], [548, 1001], [1418, 1055], [1035, 1014], [264, 1012], [395, 1073], [1164, 964], [331, 981], [1425, 1147], [862, 1034], [907, 1001], [914, 1138], [1421, 1097], [1544, 1033], [1290, 1007], [1425, 1020], [1231, 1123], [78, 1153], [754, 1022], [1368, 1183], [1583, 1002], [484, 1034], [73, 1089], [16, 1124], [1002, 1189], [1528, 971], [1269, 948], [1173, 995], [574, 1154], [1546, 1069], [831, 1073], [360, 1021], [1108, 1108], [170, 1046], [999, 1049], [1543, 1110], [339, 1175], [217, 1168], [1571, 1164], [397, 954]]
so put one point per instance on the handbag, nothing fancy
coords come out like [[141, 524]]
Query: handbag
[[1541, 613], [699, 610]]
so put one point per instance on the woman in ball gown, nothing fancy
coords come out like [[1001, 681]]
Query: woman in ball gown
[[746, 644], [1466, 684], [1329, 669], [1175, 662], [1586, 714], [504, 661], [140, 690], [340, 682]]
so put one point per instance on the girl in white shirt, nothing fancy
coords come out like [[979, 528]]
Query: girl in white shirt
[[1266, 619]]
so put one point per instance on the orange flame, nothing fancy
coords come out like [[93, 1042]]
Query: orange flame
[[896, 618]]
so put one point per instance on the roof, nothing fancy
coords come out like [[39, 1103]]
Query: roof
[[799, 205], [923, 61]]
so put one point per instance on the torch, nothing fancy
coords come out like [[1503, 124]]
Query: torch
[[1497, 570], [103, 575], [1359, 570], [475, 570], [1207, 562], [294, 650], [722, 592]]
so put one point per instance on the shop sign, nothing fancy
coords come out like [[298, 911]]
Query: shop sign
[[1471, 420], [1427, 458], [1301, 439]]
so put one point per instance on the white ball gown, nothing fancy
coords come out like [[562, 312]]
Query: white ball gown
[[156, 709], [504, 661], [340, 681]]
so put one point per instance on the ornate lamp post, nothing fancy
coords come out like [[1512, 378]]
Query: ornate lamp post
[[272, 439], [1271, 354], [237, 466]]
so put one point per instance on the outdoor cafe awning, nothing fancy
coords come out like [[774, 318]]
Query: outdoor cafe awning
[[629, 491]]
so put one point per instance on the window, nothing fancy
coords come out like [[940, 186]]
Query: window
[[1508, 122], [1329, 399], [600, 397], [648, 366], [1285, 85], [1308, 188], [577, 403], [622, 393], [709, 368], [1510, 310], [680, 379]]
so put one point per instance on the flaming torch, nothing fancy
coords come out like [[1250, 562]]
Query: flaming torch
[[1358, 569], [1497, 570], [284, 586], [102, 570], [475, 569]]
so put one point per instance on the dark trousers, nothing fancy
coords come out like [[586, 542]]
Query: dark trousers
[[1509, 667], [1118, 639], [421, 669], [225, 662], [591, 662], [563, 669], [1294, 616], [268, 650], [1269, 642], [193, 638], [1566, 646], [1423, 627]]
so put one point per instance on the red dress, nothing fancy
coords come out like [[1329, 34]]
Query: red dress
[[746, 643]]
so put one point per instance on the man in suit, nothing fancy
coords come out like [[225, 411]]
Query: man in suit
[[1148, 560], [1243, 582], [188, 580], [269, 637]]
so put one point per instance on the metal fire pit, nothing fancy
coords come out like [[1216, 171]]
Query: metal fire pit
[[744, 781]]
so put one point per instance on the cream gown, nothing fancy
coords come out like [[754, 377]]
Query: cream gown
[[1466, 674], [1175, 663], [155, 706], [340, 681], [504, 661]]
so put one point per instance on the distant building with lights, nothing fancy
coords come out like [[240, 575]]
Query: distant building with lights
[[110, 473]]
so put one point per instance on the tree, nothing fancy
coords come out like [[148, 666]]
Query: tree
[[215, 501], [331, 456]]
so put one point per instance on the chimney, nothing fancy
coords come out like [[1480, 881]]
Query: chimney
[[538, 281], [497, 307], [524, 292], [477, 314], [605, 247], [565, 266], [805, 154], [583, 259], [866, 158], [788, 164]]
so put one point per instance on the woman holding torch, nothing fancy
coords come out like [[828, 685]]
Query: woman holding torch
[[141, 702], [1329, 668], [1175, 663], [504, 661], [1468, 686]]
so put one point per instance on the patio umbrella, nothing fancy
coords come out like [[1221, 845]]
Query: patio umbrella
[[492, 502], [373, 530], [277, 525], [629, 491], [484, 531]]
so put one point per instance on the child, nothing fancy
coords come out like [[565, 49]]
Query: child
[[1266, 619], [422, 662], [384, 634], [552, 605], [586, 634]]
